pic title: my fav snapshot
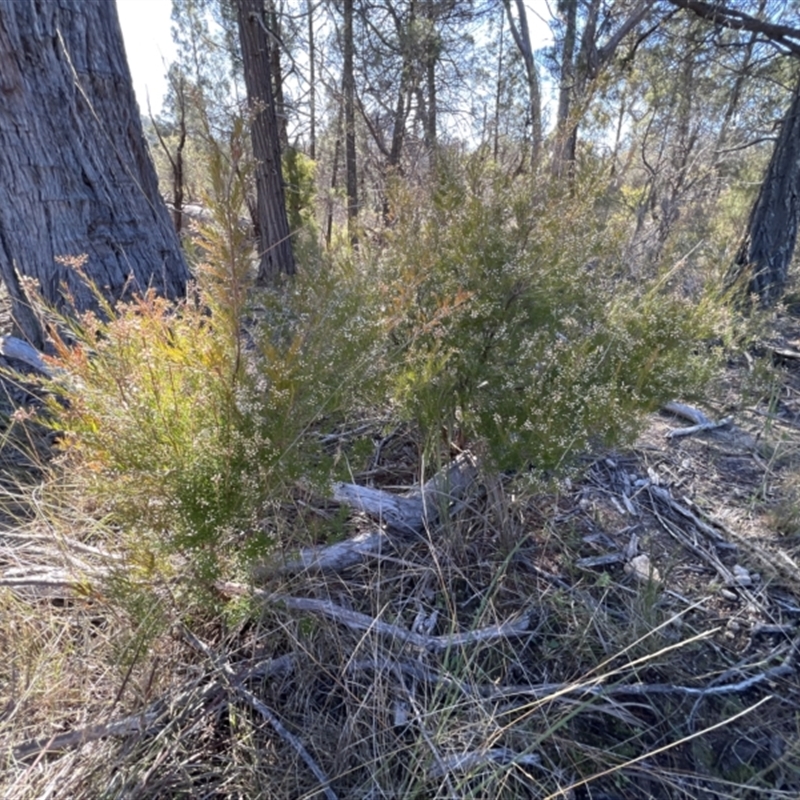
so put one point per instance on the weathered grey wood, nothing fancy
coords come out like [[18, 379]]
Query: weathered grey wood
[[520, 626], [76, 177], [339, 556], [700, 420], [12, 347], [694, 415], [408, 513]]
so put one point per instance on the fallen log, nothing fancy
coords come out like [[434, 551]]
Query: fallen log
[[405, 514], [700, 420], [11, 347]]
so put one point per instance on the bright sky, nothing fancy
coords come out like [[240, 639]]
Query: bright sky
[[146, 29]]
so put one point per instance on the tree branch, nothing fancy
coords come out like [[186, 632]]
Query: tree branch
[[784, 35]]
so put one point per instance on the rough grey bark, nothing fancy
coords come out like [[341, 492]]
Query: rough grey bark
[[276, 255], [768, 247], [76, 177]]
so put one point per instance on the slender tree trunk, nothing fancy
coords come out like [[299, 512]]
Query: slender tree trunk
[[522, 37], [179, 86], [399, 124], [393, 163], [175, 161], [583, 68], [769, 243], [337, 151], [177, 182], [565, 139], [312, 110], [579, 73], [404, 91], [350, 122], [76, 179], [275, 242], [431, 56], [430, 117], [498, 93]]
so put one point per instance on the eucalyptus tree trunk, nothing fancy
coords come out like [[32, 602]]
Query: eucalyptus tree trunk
[[275, 243], [579, 71], [566, 137], [768, 246], [78, 191]]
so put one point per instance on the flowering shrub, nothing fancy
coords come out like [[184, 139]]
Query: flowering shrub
[[490, 314], [521, 329]]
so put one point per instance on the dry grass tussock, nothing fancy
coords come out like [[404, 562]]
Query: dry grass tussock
[[629, 633]]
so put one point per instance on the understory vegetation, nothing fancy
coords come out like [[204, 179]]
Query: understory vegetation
[[167, 634], [490, 319], [490, 489]]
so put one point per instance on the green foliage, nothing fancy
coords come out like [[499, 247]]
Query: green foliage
[[517, 327], [491, 313], [299, 174], [154, 432], [184, 424]]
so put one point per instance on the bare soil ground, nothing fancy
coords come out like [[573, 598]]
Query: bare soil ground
[[632, 633]]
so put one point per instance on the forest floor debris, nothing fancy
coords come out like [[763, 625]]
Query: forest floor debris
[[629, 632]]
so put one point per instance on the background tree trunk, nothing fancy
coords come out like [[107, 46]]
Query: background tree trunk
[[564, 152], [275, 242], [432, 53], [522, 38], [768, 247], [348, 81], [276, 71], [178, 84], [312, 83], [76, 177]]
